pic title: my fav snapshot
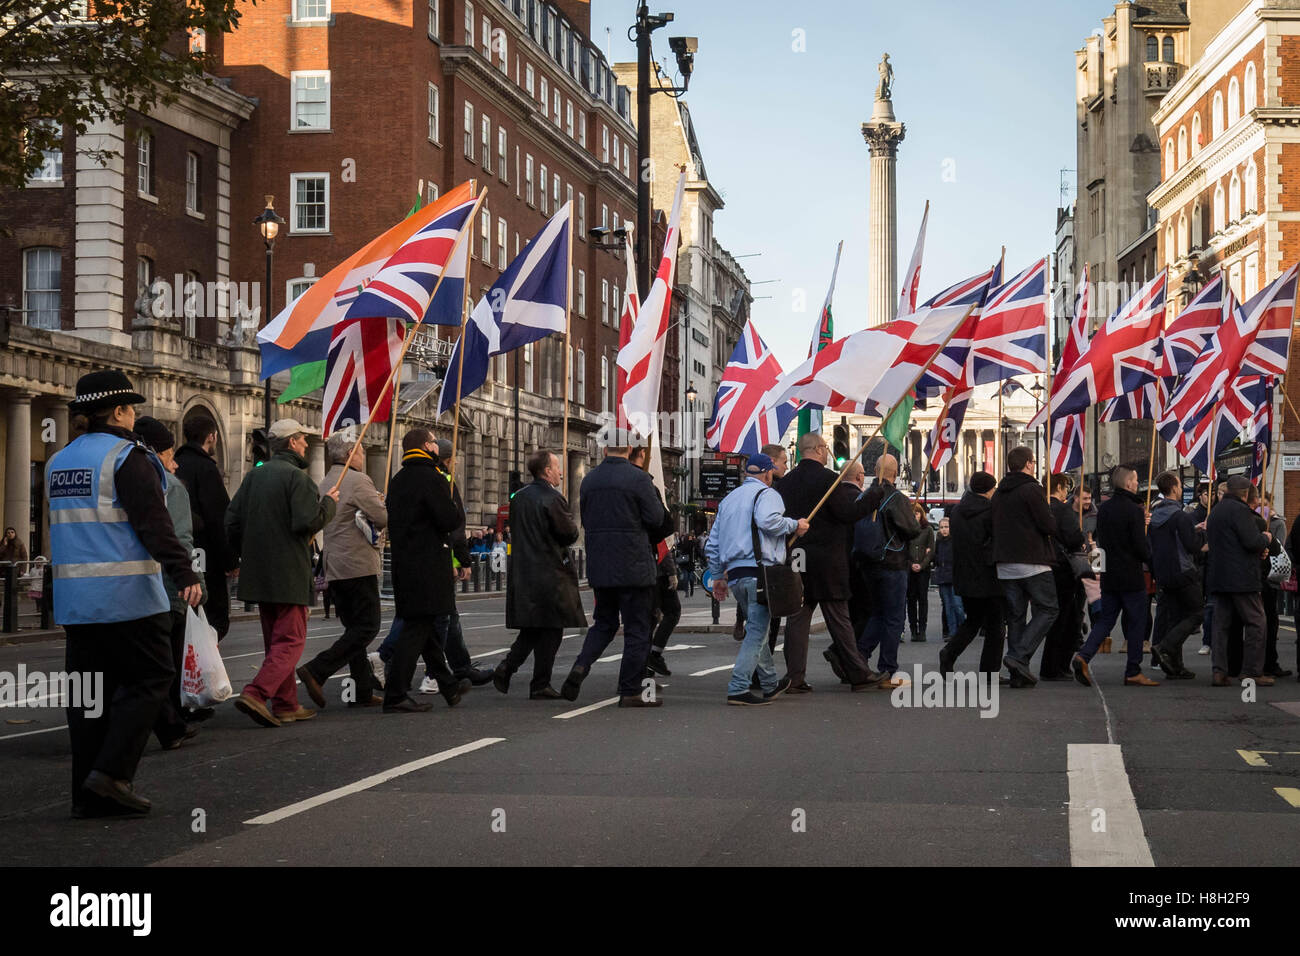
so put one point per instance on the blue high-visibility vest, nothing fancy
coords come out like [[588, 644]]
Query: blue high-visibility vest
[[102, 572]]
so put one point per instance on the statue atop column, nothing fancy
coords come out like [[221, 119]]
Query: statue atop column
[[885, 89]]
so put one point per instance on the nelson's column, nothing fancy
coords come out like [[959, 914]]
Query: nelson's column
[[883, 133]]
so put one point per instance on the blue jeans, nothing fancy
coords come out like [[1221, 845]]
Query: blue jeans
[[888, 599], [754, 654], [953, 612], [1136, 606]]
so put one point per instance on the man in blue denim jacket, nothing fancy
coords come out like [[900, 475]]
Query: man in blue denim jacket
[[730, 548]]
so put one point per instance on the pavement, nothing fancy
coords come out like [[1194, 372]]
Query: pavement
[[1177, 775]]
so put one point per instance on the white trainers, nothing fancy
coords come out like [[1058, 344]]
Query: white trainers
[[1203, 651], [376, 667], [428, 686]]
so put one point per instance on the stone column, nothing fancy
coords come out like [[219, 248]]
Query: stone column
[[58, 411], [18, 465], [316, 460], [883, 134], [376, 459]]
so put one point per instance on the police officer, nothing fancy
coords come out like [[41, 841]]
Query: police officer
[[110, 539]]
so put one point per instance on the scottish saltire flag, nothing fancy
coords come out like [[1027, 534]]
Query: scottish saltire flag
[[941, 444], [744, 418], [527, 303], [643, 356], [403, 288], [362, 355], [301, 332], [1010, 387], [1067, 443], [1186, 336], [1247, 344], [1011, 337], [1122, 357], [949, 369], [810, 419]]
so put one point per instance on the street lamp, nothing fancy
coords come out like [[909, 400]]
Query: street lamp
[[691, 395], [268, 224]]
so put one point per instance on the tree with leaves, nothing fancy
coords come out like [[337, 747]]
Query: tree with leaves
[[65, 64]]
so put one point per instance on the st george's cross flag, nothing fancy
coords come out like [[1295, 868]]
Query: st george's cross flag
[[642, 359], [436, 255], [361, 359], [302, 330], [1122, 357], [627, 321], [744, 416], [527, 303]]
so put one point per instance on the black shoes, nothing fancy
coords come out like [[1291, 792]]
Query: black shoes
[[119, 792], [837, 668], [918, 637], [747, 699], [501, 678], [1277, 670], [781, 687], [636, 700], [945, 662], [546, 693], [656, 664], [174, 743], [409, 705], [453, 691], [1019, 670], [573, 683], [478, 677]]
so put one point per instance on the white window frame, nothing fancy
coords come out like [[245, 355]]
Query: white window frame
[[1234, 198], [469, 130], [469, 24], [582, 216], [144, 155], [144, 274], [435, 114], [545, 88], [1220, 208], [294, 179], [555, 193], [51, 171], [1250, 187], [299, 4], [190, 308], [434, 20], [485, 236], [627, 166], [1248, 87], [503, 156], [604, 385], [294, 77], [485, 141], [503, 238], [618, 307], [1216, 115], [1196, 132], [1234, 100], [56, 289], [582, 128], [194, 184], [556, 102], [579, 393], [604, 143], [604, 302], [503, 51], [528, 79], [568, 197], [529, 196], [431, 191], [582, 293], [545, 190], [528, 367], [305, 281], [604, 216], [568, 117], [485, 37]]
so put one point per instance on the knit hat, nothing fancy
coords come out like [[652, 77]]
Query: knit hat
[[982, 481], [154, 434]]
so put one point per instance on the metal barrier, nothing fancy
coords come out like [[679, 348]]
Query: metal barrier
[[13, 574]]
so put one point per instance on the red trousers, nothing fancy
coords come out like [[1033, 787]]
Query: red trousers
[[284, 634]]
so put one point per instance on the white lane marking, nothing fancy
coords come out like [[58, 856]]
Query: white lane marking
[[685, 647], [28, 733], [714, 670], [499, 650], [586, 710], [1098, 781], [611, 657], [372, 781]]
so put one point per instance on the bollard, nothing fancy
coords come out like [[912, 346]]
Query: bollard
[[464, 586], [477, 575], [9, 624]]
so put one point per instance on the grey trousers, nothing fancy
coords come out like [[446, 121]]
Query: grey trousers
[[1247, 608], [836, 614]]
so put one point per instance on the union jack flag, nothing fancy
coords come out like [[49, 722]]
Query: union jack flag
[[1121, 357], [1011, 338], [1252, 341], [1147, 403], [1186, 336], [403, 288], [360, 360], [745, 417], [942, 442], [1067, 443], [1246, 411]]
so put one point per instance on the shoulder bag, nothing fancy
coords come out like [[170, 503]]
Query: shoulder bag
[[780, 588]]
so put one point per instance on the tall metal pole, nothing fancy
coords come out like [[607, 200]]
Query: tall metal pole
[[515, 465], [266, 313], [643, 149]]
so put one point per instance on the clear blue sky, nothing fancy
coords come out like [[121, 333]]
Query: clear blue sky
[[989, 86]]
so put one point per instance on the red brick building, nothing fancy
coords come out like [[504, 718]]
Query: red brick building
[[359, 102]]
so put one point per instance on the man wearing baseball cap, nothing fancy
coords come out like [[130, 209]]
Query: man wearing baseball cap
[[271, 521], [730, 549], [110, 540]]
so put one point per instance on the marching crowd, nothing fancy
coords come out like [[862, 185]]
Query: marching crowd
[[141, 531]]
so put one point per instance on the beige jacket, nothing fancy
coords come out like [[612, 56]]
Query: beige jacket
[[347, 552]]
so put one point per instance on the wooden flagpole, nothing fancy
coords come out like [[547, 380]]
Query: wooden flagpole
[[460, 369], [568, 355], [870, 438], [1151, 459], [410, 338], [1281, 415], [392, 417]]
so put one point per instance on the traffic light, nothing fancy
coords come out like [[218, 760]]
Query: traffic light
[[261, 447], [516, 483], [840, 446]]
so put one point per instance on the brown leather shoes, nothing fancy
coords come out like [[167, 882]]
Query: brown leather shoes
[[1263, 680], [374, 701], [302, 713], [314, 689], [1220, 679], [1140, 680], [256, 709], [1082, 672]]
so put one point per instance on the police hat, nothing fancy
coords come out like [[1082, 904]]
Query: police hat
[[104, 389]]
